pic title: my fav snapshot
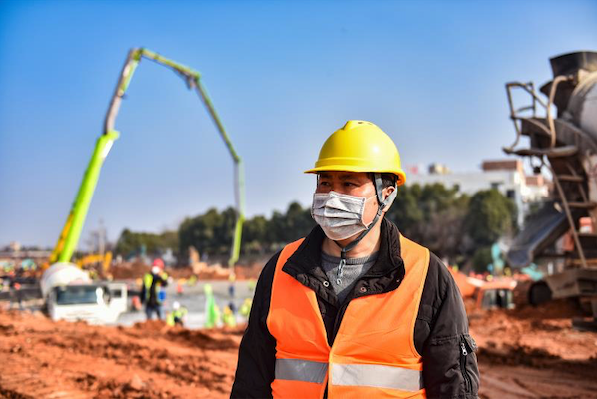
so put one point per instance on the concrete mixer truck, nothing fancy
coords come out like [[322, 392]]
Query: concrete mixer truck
[[563, 232], [70, 294]]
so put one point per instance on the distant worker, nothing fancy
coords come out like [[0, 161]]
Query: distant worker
[[176, 316], [251, 285], [228, 317], [162, 291], [17, 294], [245, 308], [232, 292], [153, 284], [355, 309], [212, 311], [232, 285]]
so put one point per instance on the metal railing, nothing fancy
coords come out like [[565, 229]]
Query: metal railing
[[516, 118]]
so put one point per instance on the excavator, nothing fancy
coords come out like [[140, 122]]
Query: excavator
[[69, 237], [104, 262], [559, 123]]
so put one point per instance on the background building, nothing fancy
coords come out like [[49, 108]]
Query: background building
[[506, 176]]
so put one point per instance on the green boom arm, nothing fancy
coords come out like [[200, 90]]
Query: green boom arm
[[67, 243], [71, 232]]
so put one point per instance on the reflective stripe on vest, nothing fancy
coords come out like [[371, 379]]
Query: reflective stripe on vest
[[373, 354], [370, 375], [301, 370], [378, 376]]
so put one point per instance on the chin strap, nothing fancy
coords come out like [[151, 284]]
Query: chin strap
[[382, 205]]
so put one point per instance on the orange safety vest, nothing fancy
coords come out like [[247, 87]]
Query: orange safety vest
[[373, 355]]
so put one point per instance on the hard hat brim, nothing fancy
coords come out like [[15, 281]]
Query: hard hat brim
[[401, 177]]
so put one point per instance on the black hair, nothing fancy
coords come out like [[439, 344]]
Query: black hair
[[387, 179]]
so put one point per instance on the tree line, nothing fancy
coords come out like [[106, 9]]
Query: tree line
[[452, 225]]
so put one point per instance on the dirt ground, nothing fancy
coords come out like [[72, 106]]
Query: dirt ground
[[45, 359], [535, 353], [526, 353]]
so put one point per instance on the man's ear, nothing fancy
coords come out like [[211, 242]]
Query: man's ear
[[386, 193]]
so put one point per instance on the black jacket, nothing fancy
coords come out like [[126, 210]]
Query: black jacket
[[441, 329]]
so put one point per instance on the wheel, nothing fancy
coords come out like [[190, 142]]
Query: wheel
[[539, 293]]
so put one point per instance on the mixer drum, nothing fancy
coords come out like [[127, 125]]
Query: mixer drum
[[582, 107]]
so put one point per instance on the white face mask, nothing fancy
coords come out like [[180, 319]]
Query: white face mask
[[155, 270], [339, 215]]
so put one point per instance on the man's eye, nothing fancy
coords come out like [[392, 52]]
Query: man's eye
[[348, 184]]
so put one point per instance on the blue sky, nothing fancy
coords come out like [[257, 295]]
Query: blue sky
[[283, 75]]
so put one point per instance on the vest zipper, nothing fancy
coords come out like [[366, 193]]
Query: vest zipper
[[463, 355], [339, 317], [342, 310]]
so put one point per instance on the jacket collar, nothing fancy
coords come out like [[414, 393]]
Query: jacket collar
[[386, 274]]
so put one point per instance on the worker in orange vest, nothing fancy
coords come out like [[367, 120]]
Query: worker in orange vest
[[355, 309]]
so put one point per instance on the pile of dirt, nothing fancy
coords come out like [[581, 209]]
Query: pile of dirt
[[532, 335], [249, 271], [129, 270], [556, 309], [149, 360], [203, 271], [180, 272], [225, 339]]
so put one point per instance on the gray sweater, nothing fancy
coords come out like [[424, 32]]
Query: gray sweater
[[351, 272]]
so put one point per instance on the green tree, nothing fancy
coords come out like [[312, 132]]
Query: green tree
[[490, 215], [204, 232], [290, 226], [432, 215], [130, 242], [298, 222], [405, 211], [212, 232], [255, 235], [481, 259]]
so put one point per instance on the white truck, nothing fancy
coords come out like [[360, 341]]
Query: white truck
[[71, 295]]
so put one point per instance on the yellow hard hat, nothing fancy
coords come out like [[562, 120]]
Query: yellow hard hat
[[360, 146]]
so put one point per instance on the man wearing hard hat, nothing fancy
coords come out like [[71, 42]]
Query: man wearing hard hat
[[152, 293], [355, 309]]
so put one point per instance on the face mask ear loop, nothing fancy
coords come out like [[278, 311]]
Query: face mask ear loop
[[379, 188], [382, 204]]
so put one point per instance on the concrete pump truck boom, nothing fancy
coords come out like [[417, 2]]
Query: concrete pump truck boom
[[68, 294]]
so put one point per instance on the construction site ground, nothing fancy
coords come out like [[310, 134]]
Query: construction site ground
[[527, 353], [535, 353]]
